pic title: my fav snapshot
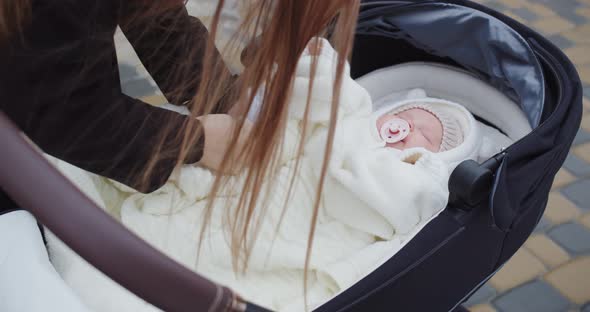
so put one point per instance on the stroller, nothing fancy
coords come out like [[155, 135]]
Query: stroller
[[515, 80]]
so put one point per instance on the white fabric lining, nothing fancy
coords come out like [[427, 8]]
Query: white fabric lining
[[452, 84]]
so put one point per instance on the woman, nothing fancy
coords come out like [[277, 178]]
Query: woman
[[63, 67], [59, 84]]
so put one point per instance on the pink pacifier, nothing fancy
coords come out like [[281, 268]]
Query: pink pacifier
[[395, 130]]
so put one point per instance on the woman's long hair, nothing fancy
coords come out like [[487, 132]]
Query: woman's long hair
[[281, 30], [13, 16]]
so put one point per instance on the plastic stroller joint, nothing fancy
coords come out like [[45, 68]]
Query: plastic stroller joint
[[471, 183]]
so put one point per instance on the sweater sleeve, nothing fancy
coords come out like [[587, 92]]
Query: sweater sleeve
[[171, 45], [60, 85]]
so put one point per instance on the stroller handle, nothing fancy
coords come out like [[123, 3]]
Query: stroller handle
[[32, 182]]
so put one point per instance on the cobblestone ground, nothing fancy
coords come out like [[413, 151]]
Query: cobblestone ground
[[552, 271]]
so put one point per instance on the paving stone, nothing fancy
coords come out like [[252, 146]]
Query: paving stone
[[138, 88], [542, 226], [482, 295], [536, 296], [124, 50], [572, 280], [546, 250], [560, 209], [573, 237], [560, 5], [514, 16], [585, 220], [570, 14], [496, 5], [583, 151], [539, 9], [553, 25], [482, 308], [579, 54], [584, 71], [586, 120], [521, 268], [579, 34], [156, 100], [563, 178], [582, 136], [561, 42], [512, 4], [127, 72], [576, 166], [586, 308], [525, 13], [142, 73], [578, 193], [583, 11]]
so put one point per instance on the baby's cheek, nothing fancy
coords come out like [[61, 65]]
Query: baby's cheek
[[418, 141]]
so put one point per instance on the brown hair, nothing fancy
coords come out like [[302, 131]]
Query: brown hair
[[286, 27], [282, 30], [13, 17]]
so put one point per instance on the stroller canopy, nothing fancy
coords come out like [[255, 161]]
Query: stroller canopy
[[465, 37]]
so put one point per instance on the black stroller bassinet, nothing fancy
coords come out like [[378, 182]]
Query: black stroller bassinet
[[493, 208]]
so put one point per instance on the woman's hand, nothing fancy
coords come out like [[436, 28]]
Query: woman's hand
[[247, 55], [218, 130], [315, 46]]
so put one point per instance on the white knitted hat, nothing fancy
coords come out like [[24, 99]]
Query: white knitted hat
[[453, 134], [457, 113]]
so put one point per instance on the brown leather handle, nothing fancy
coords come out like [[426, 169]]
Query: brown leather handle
[[37, 186]]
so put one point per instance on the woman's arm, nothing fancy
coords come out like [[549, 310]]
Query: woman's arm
[[60, 85]]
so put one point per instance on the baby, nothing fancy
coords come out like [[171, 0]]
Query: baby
[[411, 121], [419, 124], [389, 168]]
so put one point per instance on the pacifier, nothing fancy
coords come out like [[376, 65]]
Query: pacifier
[[395, 130]]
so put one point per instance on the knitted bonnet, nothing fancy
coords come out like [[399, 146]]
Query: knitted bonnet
[[452, 131]]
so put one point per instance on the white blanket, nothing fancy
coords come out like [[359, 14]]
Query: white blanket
[[374, 201]]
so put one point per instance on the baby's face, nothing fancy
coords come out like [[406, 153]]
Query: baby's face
[[425, 129]]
